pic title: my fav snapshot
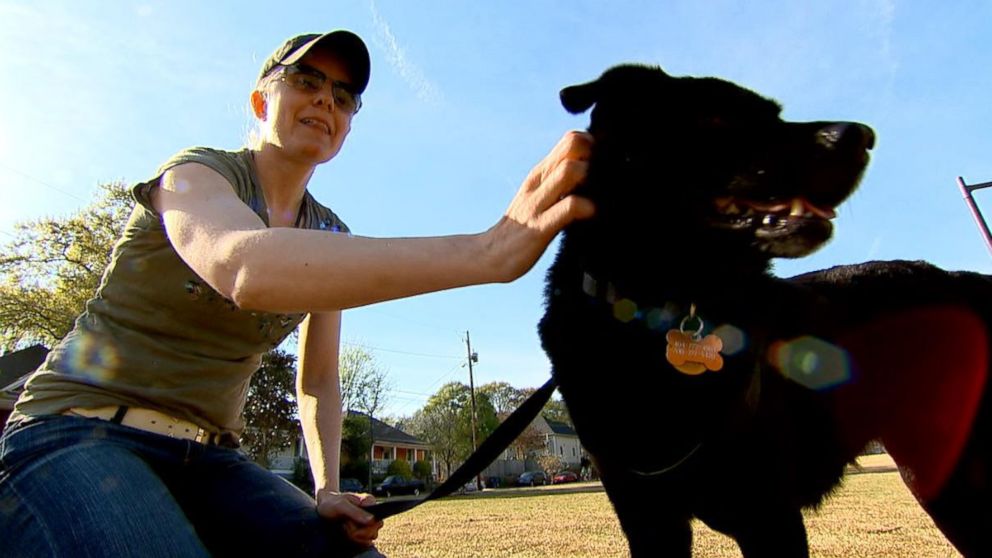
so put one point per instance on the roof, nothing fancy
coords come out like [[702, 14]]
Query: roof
[[560, 427], [18, 364], [382, 432]]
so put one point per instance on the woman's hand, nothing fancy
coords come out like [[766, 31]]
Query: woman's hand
[[542, 207], [359, 525]]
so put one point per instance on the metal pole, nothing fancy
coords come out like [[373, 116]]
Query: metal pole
[[966, 190], [472, 357], [371, 451]]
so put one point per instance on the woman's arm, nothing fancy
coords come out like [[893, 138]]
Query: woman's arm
[[293, 270], [318, 392]]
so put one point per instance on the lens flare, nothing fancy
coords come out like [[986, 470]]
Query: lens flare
[[812, 362], [625, 310], [733, 338], [88, 357]]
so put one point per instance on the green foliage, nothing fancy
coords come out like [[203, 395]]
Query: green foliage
[[355, 442], [445, 422], [503, 396], [422, 469], [270, 411], [54, 265], [400, 467], [302, 477], [357, 470]]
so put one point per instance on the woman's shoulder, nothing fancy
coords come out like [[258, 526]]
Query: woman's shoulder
[[221, 160], [234, 166]]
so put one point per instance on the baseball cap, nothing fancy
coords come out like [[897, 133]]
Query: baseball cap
[[345, 43]]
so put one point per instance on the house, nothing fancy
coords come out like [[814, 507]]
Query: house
[[15, 367], [560, 440], [389, 444]]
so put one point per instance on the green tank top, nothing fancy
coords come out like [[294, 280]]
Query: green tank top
[[156, 335]]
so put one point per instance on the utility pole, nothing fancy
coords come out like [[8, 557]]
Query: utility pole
[[966, 190], [473, 357]]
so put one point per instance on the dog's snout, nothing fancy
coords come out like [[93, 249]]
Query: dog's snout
[[846, 135]]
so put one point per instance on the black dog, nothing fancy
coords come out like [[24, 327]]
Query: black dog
[[705, 387]]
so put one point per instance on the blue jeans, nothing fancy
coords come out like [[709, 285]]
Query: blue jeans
[[79, 487]]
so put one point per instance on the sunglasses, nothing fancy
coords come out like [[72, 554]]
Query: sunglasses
[[311, 80]]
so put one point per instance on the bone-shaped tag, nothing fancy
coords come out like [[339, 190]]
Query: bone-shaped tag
[[693, 356]]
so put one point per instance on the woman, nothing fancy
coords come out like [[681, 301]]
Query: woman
[[123, 443]]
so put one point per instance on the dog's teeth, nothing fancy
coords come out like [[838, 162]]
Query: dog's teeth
[[769, 220], [798, 208]]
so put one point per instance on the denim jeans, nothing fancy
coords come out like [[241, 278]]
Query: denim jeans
[[72, 486]]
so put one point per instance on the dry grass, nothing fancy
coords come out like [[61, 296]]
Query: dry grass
[[873, 515]]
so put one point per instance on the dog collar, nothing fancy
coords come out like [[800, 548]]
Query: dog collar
[[688, 352]]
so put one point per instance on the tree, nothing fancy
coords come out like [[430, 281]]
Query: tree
[[530, 442], [551, 464], [446, 422], [554, 409], [363, 383], [503, 396], [270, 411], [437, 424], [506, 398], [363, 386], [54, 265], [356, 444]]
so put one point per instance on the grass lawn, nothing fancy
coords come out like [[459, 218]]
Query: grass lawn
[[872, 515]]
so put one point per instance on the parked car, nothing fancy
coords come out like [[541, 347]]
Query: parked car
[[348, 484], [563, 477], [396, 484], [532, 478]]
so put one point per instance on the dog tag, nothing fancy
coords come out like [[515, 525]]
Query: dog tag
[[690, 353]]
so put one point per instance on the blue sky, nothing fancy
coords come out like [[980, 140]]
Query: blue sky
[[463, 102]]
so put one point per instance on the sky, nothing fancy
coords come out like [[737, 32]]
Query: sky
[[463, 102]]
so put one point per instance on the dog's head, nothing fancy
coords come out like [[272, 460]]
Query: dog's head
[[715, 162]]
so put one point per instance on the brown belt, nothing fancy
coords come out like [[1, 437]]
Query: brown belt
[[150, 421]]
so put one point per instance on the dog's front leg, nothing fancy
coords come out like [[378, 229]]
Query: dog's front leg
[[654, 523], [773, 534]]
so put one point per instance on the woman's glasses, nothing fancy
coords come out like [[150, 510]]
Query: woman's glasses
[[311, 80]]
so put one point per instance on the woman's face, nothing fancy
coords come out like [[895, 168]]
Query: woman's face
[[306, 125]]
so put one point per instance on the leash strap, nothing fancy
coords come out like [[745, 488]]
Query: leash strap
[[487, 452]]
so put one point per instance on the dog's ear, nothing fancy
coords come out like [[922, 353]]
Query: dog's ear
[[578, 98], [624, 78]]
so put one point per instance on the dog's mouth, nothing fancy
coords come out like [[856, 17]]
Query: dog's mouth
[[783, 228]]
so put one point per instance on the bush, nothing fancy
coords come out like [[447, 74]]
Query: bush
[[400, 467], [302, 477], [356, 470], [422, 470]]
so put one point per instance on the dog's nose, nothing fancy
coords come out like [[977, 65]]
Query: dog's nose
[[846, 135]]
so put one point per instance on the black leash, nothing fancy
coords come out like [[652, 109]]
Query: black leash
[[502, 437]]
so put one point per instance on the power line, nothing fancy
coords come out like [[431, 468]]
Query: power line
[[42, 182], [425, 355]]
